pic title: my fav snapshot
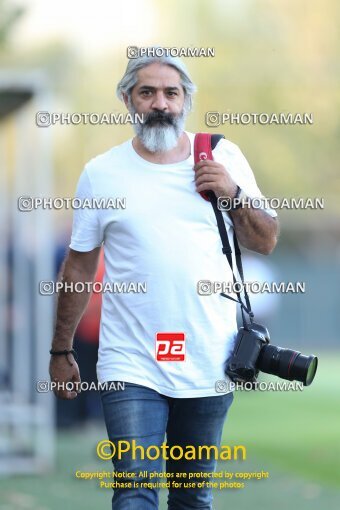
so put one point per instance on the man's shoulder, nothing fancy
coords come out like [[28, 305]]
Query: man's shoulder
[[228, 147], [105, 159]]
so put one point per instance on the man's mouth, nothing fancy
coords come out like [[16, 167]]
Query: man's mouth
[[159, 119]]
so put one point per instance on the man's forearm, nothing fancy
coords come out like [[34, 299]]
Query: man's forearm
[[70, 307], [255, 229]]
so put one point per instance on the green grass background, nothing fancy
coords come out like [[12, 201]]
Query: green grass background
[[293, 435], [297, 431]]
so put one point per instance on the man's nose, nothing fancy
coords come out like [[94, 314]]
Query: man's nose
[[160, 102]]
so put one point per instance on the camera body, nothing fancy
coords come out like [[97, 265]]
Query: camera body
[[242, 366], [253, 352]]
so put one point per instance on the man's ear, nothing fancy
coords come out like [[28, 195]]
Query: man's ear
[[125, 99]]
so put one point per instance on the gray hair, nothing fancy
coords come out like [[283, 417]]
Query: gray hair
[[129, 79]]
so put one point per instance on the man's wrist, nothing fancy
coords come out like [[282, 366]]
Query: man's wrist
[[62, 353], [61, 344], [231, 194], [237, 201]]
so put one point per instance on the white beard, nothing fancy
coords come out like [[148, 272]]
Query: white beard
[[159, 138]]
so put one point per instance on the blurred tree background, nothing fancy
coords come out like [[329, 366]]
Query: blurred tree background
[[9, 14]]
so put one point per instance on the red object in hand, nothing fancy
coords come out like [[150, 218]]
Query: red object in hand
[[202, 151]]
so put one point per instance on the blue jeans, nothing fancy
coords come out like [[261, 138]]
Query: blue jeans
[[141, 414]]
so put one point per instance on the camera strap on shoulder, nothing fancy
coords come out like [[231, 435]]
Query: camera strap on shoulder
[[204, 144]]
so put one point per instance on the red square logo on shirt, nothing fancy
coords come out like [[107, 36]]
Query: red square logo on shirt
[[170, 346]]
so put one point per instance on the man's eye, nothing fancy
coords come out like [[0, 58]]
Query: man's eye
[[146, 93]]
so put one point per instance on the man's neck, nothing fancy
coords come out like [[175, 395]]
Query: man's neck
[[179, 153]]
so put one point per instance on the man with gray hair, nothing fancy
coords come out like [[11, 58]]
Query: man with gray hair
[[167, 345]]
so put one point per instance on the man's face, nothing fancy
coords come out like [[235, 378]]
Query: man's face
[[158, 88], [159, 96]]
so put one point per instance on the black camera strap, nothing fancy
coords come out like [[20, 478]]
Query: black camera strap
[[226, 248]]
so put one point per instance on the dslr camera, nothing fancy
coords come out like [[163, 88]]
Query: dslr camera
[[253, 353]]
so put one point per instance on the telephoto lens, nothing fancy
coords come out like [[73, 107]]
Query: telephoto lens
[[287, 364]]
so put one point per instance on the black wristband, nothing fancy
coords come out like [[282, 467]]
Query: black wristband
[[236, 197], [64, 352], [238, 191]]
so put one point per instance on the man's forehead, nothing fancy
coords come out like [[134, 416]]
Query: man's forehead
[[156, 75]]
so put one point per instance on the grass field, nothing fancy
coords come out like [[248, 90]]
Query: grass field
[[293, 435], [297, 431]]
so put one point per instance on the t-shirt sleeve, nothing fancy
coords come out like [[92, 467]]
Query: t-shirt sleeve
[[236, 164], [86, 229]]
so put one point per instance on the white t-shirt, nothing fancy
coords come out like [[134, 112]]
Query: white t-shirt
[[167, 240]]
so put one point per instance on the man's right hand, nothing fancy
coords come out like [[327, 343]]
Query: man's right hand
[[62, 372]]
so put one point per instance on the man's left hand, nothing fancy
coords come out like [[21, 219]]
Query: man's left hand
[[210, 175]]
